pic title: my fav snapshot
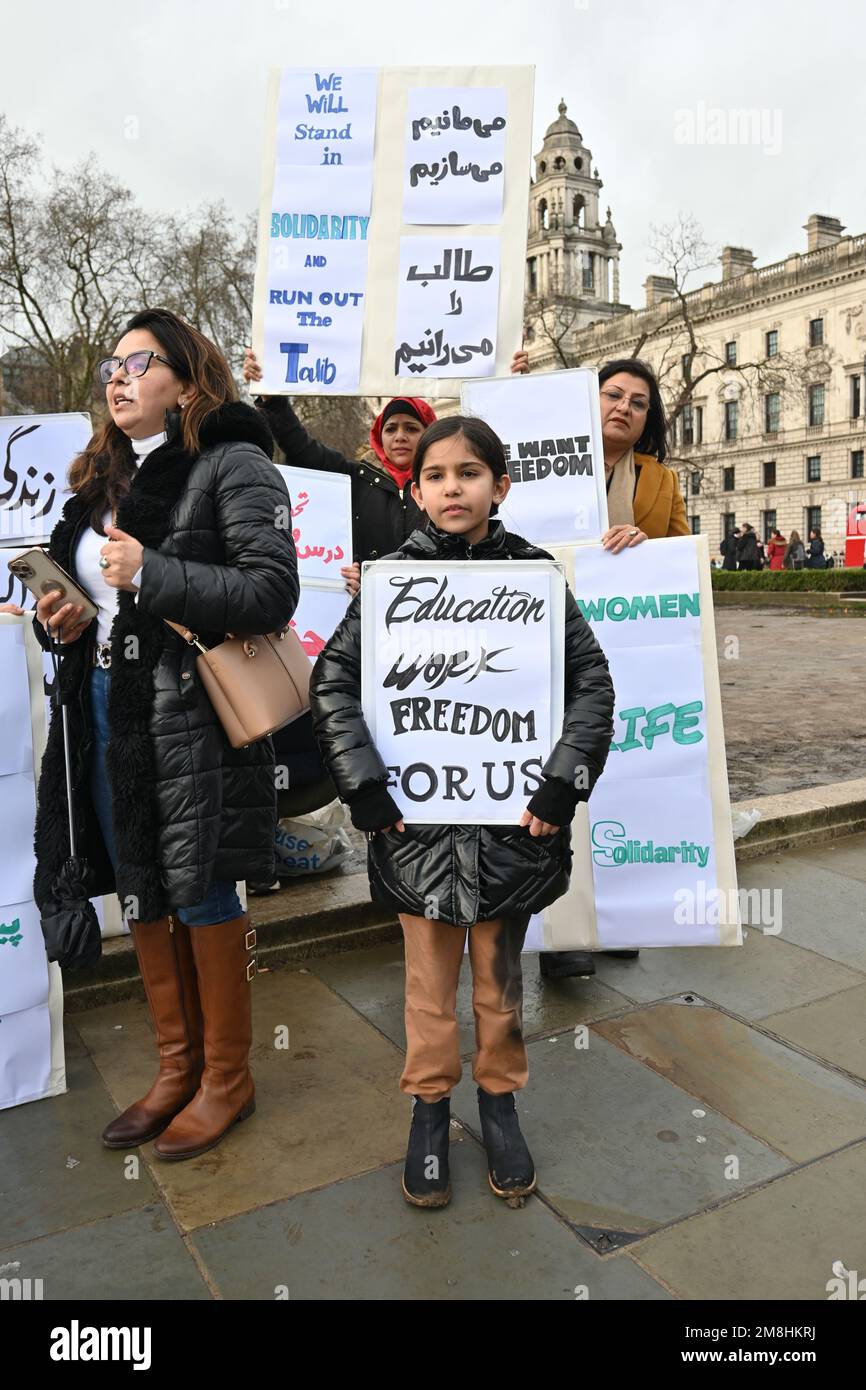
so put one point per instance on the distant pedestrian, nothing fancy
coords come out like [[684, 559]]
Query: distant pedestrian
[[795, 555], [747, 548], [728, 549], [776, 547], [815, 559]]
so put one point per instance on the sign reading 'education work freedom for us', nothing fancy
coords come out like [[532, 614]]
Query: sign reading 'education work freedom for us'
[[392, 228], [462, 683], [550, 424]]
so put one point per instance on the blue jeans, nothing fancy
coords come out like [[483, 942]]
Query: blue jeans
[[221, 902]]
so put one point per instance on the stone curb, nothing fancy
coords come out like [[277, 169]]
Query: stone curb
[[332, 913]]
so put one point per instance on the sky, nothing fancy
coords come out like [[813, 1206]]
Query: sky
[[169, 94]]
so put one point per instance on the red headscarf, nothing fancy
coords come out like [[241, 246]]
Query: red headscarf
[[400, 473]]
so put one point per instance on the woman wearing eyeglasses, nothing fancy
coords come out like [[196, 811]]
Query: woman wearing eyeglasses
[[176, 512], [644, 502]]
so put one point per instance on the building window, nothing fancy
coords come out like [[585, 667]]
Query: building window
[[856, 463], [771, 343], [813, 468], [695, 483], [685, 363], [772, 411], [730, 420], [729, 521], [687, 425], [770, 473], [533, 275], [727, 480], [587, 270], [816, 333], [699, 424], [855, 397], [768, 524], [816, 405], [813, 520], [543, 215], [731, 354], [695, 523]]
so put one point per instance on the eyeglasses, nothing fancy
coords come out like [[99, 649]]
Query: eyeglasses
[[136, 364], [639, 404]]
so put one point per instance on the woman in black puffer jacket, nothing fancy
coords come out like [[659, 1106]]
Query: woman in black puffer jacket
[[169, 814], [444, 879]]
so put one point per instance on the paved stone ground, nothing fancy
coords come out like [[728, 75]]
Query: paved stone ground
[[708, 1142], [793, 699]]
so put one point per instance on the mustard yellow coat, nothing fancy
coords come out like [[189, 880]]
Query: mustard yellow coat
[[659, 509]]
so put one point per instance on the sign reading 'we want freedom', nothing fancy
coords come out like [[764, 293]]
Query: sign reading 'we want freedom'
[[392, 228]]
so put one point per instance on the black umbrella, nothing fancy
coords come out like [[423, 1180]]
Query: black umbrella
[[69, 922]]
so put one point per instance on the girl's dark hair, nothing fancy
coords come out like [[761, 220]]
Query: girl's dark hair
[[654, 439], [484, 442], [103, 472]]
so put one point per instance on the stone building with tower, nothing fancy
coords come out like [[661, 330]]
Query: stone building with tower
[[770, 407]]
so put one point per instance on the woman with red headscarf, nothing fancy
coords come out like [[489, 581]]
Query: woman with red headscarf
[[383, 513]]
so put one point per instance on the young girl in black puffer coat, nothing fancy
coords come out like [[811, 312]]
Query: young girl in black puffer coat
[[487, 879]]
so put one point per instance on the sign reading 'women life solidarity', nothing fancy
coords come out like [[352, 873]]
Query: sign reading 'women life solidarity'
[[550, 425], [462, 683], [655, 841], [392, 228]]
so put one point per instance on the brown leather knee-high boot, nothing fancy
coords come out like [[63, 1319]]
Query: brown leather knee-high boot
[[225, 968], [171, 984]]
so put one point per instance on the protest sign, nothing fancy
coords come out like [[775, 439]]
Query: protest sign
[[462, 683], [367, 173], [36, 451], [653, 851], [320, 608], [550, 425], [31, 996], [321, 521], [455, 154]]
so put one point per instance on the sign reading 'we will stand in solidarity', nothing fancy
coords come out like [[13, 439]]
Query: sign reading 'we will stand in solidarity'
[[392, 229]]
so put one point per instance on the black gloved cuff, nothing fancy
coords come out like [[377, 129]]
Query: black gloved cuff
[[273, 405], [554, 802], [374, 808]]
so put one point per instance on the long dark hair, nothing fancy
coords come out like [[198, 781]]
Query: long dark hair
[[484, 441], [654, 439], [102, 474]]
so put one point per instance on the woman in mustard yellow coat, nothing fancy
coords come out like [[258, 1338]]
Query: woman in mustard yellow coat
[[644, 501]]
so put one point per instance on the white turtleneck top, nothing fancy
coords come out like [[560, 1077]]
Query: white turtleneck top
[[90, 544]]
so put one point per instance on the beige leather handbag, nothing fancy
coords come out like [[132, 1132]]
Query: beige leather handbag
[[255, 684]]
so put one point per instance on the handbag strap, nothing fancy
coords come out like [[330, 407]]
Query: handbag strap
[[186, 634], [192, 638]]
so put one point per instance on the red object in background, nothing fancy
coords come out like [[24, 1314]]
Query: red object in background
[[855, 540]]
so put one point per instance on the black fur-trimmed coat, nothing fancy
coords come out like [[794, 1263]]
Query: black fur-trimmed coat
[[475, 872], [218, 557]]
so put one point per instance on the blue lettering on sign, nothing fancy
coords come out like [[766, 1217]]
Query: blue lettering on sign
[[323, 372]]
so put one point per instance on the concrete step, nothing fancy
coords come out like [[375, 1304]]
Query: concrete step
[[327, 913]]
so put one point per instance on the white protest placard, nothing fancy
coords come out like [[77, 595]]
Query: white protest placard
[[320, 608], [333, 312], [655, 841], [36, 451], [550, 424], [31, 991], [462, 683], [455, 154], [321, 521], [321, 172], [455, 284]]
